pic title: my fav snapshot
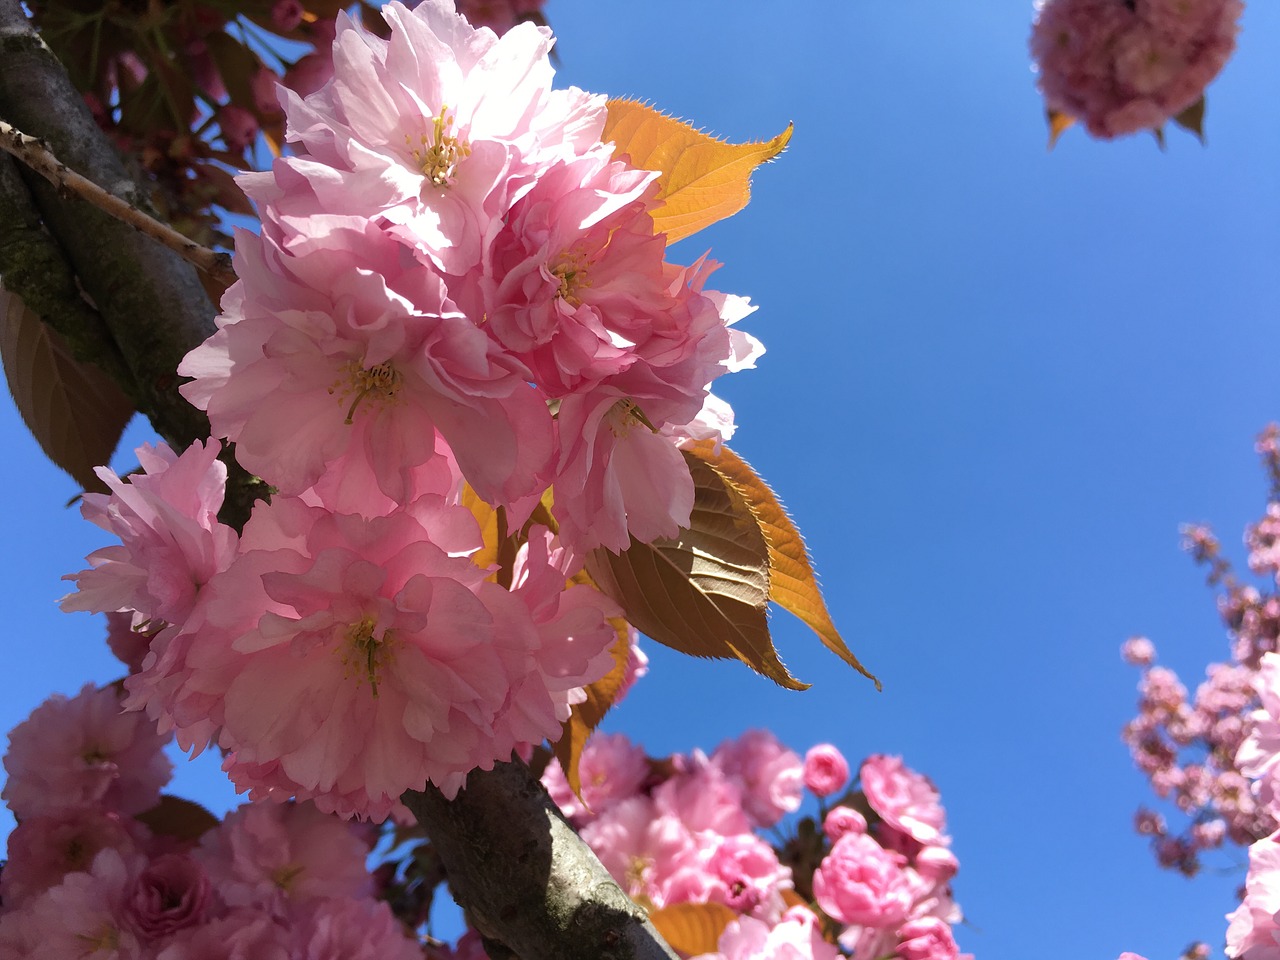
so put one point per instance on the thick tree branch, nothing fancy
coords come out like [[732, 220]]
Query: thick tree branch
[[36, 155], [152, 302], [33, 267], [528, 882]]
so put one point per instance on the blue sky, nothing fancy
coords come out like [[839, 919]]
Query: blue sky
[[998, 380]]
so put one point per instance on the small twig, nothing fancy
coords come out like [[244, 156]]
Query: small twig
[[36, 154]]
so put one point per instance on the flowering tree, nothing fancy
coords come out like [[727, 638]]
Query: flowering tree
[[470, 446]]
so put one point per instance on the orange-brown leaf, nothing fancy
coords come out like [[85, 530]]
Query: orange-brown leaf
[[702, 179], [793, 585], [705, 593], [586, 716], [1059, 123], [693, 928], [74, 410]]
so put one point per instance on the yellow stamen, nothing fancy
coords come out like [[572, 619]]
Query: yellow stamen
[[438, 155], [382, 381], [368, 652]]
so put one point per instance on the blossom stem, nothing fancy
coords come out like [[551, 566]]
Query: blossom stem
[[35, 153]]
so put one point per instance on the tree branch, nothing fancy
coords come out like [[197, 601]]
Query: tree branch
[[151, 301], [527, 880], [33, 267], [36, 155]]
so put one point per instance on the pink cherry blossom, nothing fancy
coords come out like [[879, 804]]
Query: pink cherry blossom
[[438, 129], [860, 882], [1120, 67], [171, 541], [1259, 755], [243, 934], [353, 929], [611, 769], [84, 916], [795, 937], [340, 353], [45, 849], [170, 894], [425, 669], [274, 856], [1138, 652], [1253, 932], [927, 938], [825, 770], [84, 751], [769, 775], [906, 800], [841, 820]]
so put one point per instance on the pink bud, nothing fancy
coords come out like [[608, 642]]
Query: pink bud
[[239, 126], [842, 820], [825, 770]]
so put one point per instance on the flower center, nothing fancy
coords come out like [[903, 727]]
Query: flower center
[[381, 382], [439, 153], [624, 416], [367, 653], [572, 273], [283, 877]]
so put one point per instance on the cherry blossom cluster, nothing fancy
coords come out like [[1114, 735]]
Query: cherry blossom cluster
[[868, 878], [454, 270], [457, 289], [99, 866], [337, 656], [1198, 751], [1120, 66]]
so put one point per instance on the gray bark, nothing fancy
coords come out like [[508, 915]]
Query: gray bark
[[531, 887]]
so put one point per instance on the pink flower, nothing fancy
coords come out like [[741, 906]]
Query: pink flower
[[243, 934], [84, 752], [354, 930], [239, 127], [1253, 932], [862, 883], [1120, 66], [842, 820], [44, 849], [1138, 652], [438, 129], [172, 893], [84, 916], [825, 770], [928, 939], [273, 856], [171, 541], [611, 769], [768, 773], [795, 937], [1259, 755], [336, 352], [286, 15], [424, 668], [906, 800]]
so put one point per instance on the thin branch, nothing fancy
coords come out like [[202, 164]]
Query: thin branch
[[36, 154]]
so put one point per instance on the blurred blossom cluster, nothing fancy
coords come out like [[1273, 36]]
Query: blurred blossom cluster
[[1193, 748], [1120, 66], [1217, 755]]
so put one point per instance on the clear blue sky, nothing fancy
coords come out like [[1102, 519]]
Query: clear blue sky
[[998, 380]]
